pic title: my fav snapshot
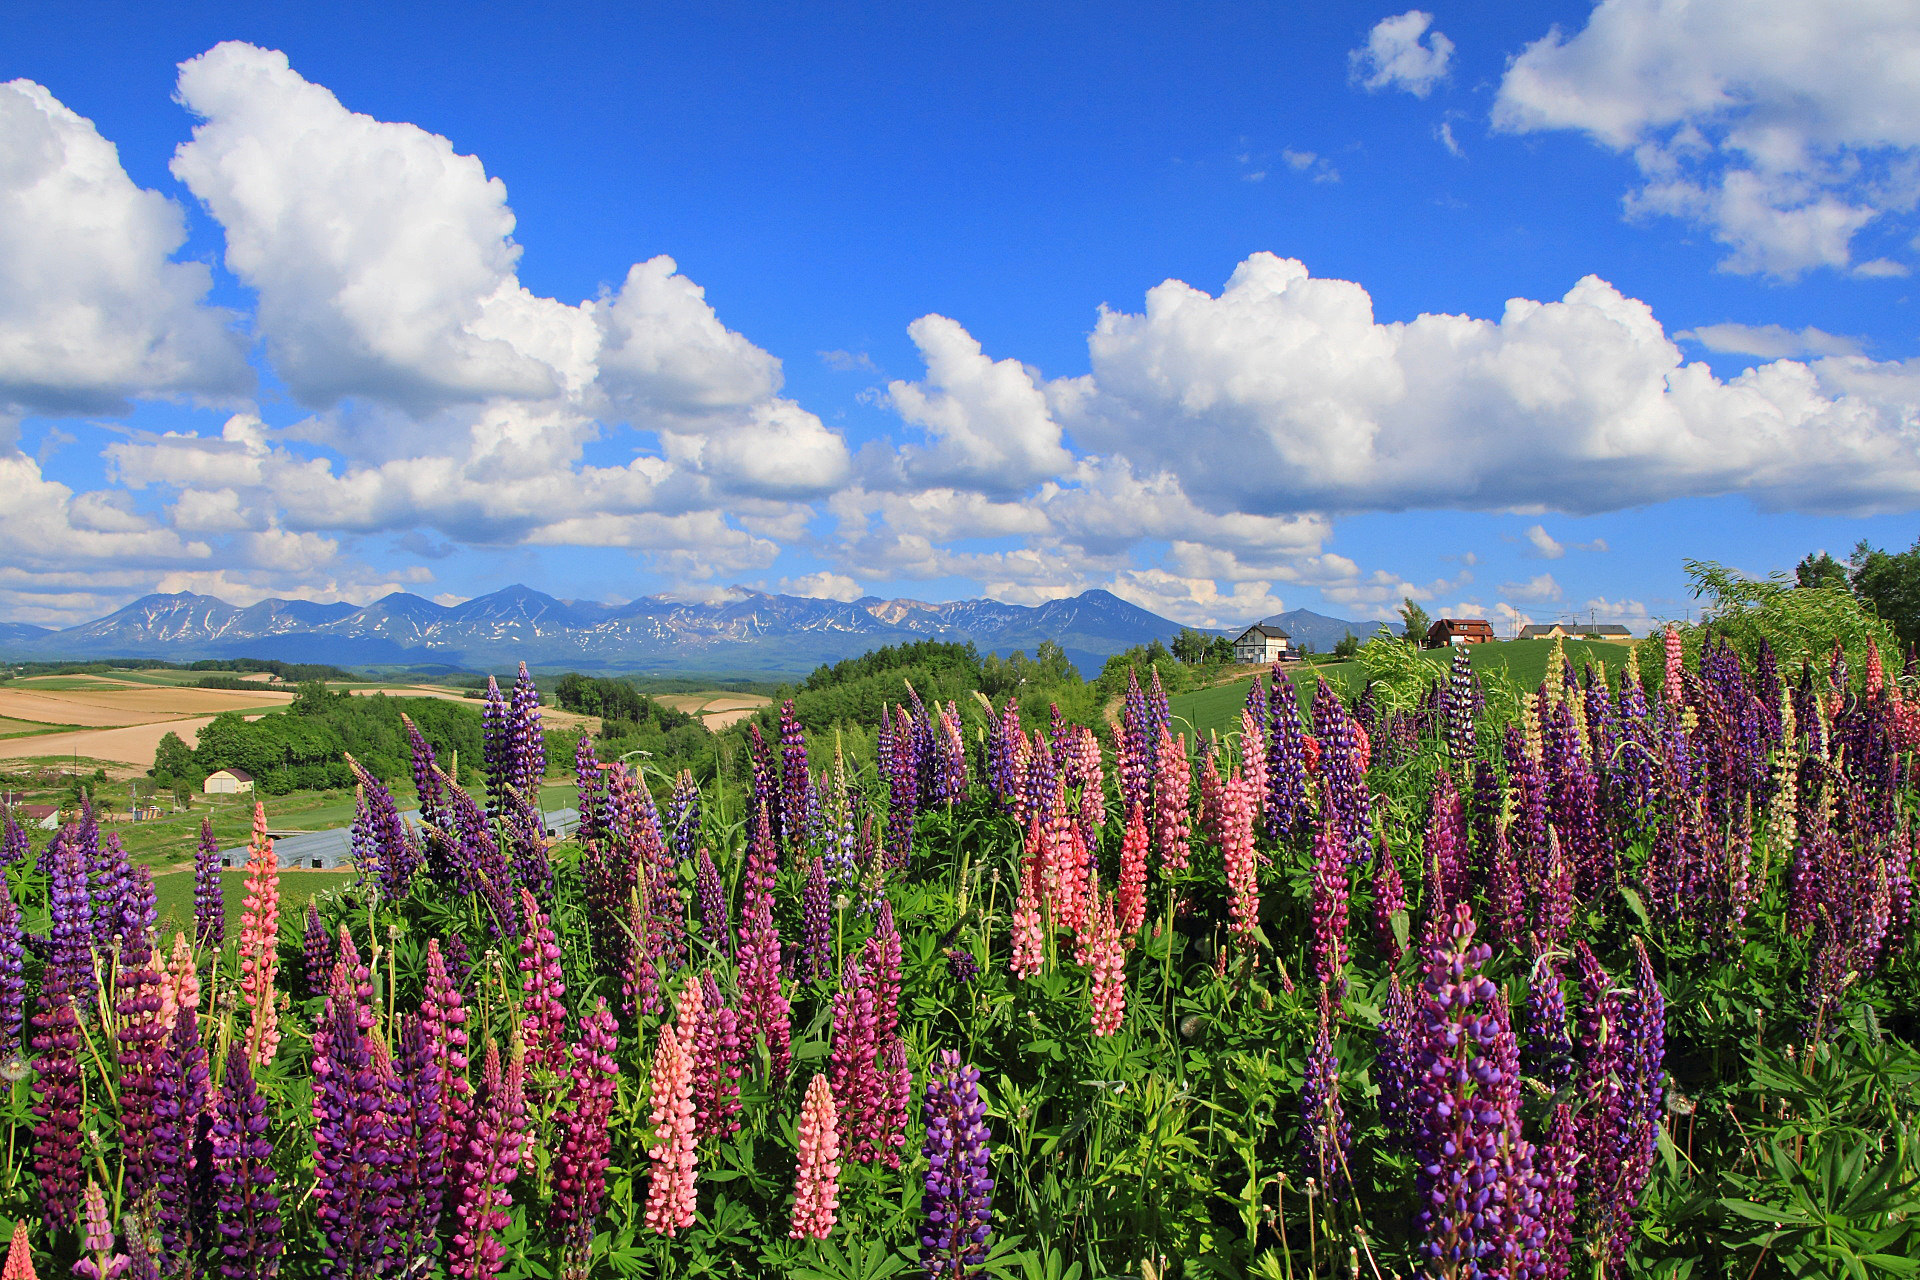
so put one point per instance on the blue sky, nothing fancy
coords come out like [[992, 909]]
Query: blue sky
[[1228, 308]]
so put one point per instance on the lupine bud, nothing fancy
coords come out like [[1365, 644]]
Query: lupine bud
[[958, 1201], [670, 1195], [816, 1182], [19, 1265]]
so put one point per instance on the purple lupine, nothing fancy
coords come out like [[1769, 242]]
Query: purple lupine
[[766, 776], [14, 844], [70, 909], [184, 1204], [209, 903], [1342, 771], [526, 740], [682, 826], [963, 966], [110, 877], [496, 750], [718, 1063], [1642, 1059], [1480, 1199], [247, 1211], [13, 978], [1389, 898], [1135, 750], [1558, 1160], [585, 1140], [950, 777], [317, 952], [1598, 1079], [764, 1011], [57, 1133], [354, 1149], [1460, 734], [904, 799], [1548, 1051], [418, 1130], [427, 784], [1393, 1062], [1285, 812], [1001, 773], [590, 782], [796, 784], [141, 1039], [816, 926], [395, 859], [958, 1200], [1325, 1134], [710, 896], [480, 866], [1445, 847]]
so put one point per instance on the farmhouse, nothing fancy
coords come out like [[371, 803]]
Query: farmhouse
[[227, 782], [1574, 631], [1261, 643], [1452, 631]]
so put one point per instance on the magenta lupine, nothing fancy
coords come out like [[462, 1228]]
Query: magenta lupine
[[354, 1148], [1287, 808], [1325, 1135], [247, 1212], [1599, 1076], [495, 1143], [1445, 847], [958, 1199], [1481, 1201], [1553, 900], [209, 904], [585, 1140], [184, 1204], [443, 1018], [1558, 1162], [543, 1018], [887, 1124], [1506, 894], [1330, 898], [418, 1130], [1389, 899], [765, 1012], [718, 1064]]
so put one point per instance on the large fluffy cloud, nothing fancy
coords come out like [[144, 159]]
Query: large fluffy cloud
[[93, 311], [1284, 394], [988, 419], [1784, 126]]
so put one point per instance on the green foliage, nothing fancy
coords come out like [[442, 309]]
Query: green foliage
[[1348, 646], [1821, 571], [1800, 623], [616, 700], [1889, 582], [1414, 621], [304, 749], [173, 761]]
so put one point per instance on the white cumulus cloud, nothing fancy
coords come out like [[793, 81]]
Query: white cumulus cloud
[[1402, 52], [1782, 126], [987, 419]]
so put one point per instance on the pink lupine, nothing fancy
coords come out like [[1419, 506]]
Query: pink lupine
[[543, 1019], [1253, 757], [1330, 891], [1029, 937], [1670, 687], [1132, 907], [180, 987], [1235, 836], [1172, 797], [816, 1181], [260, 943], [585, 1138], [1108, 964], [670, 1196], [1213, 793], [444, 1017]]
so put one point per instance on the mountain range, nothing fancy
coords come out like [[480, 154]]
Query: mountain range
[[753, 633]]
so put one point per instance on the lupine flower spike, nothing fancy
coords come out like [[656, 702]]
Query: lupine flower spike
[[260, 943], [670, 1197], [19, 1256], [816, 1182], [958, 1201]]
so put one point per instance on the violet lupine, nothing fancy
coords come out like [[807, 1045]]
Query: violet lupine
[[1548, 1050], [1343, 768], [247, 1212], [1642, 1060], [396, 859], [1132, 905], [1330, 903], [495, 749], [1460, 735], [1389, 899], [672, 1154], [109, 877], [1481, 1200], [260, 943], [904, 782], [495, 1144], [815, 960], [1137, 757], [1286, 808], [543, 1018], [1393, 1064], [1325, 1134], [1172, 803], [1242, 865], [418, 1130], [354, 1147], [585, 1140], [209, 904], [1005, 742], [526, 741], [184, 1204], [958, 1199], [816, 1178], [13, 978], [796, 784], [70, 910], [682, 826], [57, 1133], [316, 951], [710, 896], [14, 845]]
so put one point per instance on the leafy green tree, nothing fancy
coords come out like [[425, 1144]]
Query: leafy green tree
[[1220, 649], [1347, 646], [1823, 571], [1799, 623], [172, 760], [1191, 646], [1889, 582], [1414, 620]]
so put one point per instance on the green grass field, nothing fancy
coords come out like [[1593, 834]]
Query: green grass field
[[1520, 662], [173, 896], [29, 728]]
